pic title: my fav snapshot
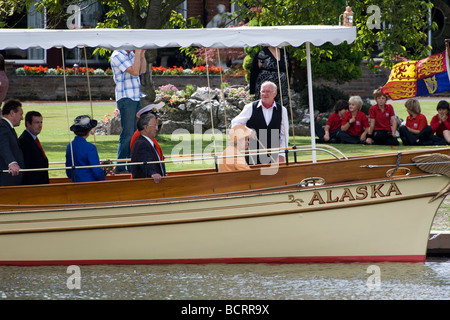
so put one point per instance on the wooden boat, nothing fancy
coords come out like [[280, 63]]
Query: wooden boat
[[372, 208], [332, 210]]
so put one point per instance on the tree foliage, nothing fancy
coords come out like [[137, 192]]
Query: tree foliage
[[402, 29], [339, 63], [404, 33]]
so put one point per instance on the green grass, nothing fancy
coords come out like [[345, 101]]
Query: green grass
[[55, 135]]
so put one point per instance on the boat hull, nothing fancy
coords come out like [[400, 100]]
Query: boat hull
[[385, 219]]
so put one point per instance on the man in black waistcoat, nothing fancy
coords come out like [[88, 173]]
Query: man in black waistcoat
[[270, 121], [32, 150], [11, 157]]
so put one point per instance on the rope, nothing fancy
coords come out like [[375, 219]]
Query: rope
[[89, 89], [277, 57], [210, 103], [371, 166], [221, 93], [67, 106], [399, 157], [289, 94], [201, 157]]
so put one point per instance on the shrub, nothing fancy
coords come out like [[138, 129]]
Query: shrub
[[52, 72], [321, 118], [167, 92], [20, 71], [98, 72], [239, 93], [189, 90], [187, 72], [325, 98]]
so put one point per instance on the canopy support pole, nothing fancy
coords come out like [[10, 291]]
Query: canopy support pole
[[311, 102], [89, 90], [67, 113]]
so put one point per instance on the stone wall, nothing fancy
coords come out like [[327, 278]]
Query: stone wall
[[51, 88]]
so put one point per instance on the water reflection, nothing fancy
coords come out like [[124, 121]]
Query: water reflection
[[430, 280]]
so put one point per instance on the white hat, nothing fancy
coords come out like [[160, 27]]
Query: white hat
[[153, 108], [240, 131]]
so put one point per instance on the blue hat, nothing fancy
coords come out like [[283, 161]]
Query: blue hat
[[83, 123]]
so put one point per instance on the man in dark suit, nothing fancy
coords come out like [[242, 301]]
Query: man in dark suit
[[144, 150], [32, 150], [11, 157]]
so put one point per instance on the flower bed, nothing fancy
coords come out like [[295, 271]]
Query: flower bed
[[179, 71], [40, 70], [173, 71]]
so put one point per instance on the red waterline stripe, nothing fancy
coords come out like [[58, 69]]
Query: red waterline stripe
[[330, 259]]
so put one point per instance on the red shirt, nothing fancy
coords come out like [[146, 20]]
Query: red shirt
[[334, 121], [417, 123], [382, 117], [357, 128], [439, 128]]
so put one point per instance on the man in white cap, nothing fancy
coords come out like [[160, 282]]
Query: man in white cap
[[153, 108], [144, 152]]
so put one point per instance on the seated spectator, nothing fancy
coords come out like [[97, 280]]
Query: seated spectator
[[383, 124], [144, 150], [440, 124], [84, 152], [354, 125], [416, 130], [329, 134], [33, 153], [232, 157], [153, 108]]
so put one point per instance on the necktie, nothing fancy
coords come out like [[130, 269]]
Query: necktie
[[159, 156], [158, 148], [40, 147]]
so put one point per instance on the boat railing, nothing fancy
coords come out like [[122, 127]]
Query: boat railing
[[337, 154]]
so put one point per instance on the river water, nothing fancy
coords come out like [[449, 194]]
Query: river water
[[339, 281]]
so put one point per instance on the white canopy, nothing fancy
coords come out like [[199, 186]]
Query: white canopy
[[277, 36]]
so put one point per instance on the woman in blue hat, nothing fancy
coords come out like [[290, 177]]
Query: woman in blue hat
[[84, 152]]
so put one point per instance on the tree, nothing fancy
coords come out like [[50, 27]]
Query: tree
[[342, 62], [400, 30]]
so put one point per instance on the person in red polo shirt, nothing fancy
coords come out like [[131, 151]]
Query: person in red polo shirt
[[355, 125], [416, 130], [383, 124], [440, 124], [329, 133]]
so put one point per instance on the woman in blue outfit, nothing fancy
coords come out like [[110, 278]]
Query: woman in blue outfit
[[84, 153]]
